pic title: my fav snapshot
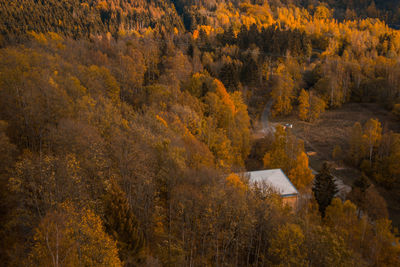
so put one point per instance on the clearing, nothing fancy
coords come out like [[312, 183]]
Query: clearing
[[333, 128]]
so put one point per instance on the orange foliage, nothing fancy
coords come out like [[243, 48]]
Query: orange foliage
[[163, 122], [223, 94], [234, 181]]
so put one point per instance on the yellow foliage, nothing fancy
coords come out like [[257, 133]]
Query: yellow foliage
[[287, 245], [102, 5], [223, 18], [39, 37], [304, 105], [372, 135], [235, 181], [55, 37], [206, 28], [195, 34], [301, 175], [282, 94], [72, 237], [162, 121], [223, 94]]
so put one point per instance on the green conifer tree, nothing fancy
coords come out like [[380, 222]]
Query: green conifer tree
[[324, 188]]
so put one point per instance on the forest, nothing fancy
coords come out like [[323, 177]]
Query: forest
[[125, 127]]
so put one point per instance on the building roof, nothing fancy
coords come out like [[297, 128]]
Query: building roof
[[274, 178]]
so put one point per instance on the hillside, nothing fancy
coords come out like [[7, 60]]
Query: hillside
[[83, 18], [388, 10], [126, 127]]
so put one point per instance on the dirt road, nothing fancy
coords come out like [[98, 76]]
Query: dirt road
[[267, 126]]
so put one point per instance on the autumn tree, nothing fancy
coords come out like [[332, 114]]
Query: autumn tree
[[356, 150], [68, 236], [7, 158], [317, 106], [335, 251], [386, 169], [304, 105], [229, 117], [281, 94], [287, 246], [368, 199], [372, 135], [301, 175], [342, 217], [310, 106], [277, 157], [287, 153], [387, 245]]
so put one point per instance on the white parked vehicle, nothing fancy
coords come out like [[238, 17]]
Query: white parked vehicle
[[288, 125]]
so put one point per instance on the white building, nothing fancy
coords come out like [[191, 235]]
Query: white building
[[277, 181]]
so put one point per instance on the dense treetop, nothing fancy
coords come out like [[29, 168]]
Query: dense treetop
[[125, 127]]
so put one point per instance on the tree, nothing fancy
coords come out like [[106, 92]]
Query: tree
[[386, 246], [362, 183], [337, 152], [372, 135], [396, 110], [121, 224], [234, 181], [324, 188], [326, 248], [7, 157], [228, 116], [342, 218], [367, 199], [287, 153], [287, 246], [282, 94], [322, 12], [356, 150], [304, 105], [71, 237], [310, 106], [277, 157], [301, 175], [317, 106]]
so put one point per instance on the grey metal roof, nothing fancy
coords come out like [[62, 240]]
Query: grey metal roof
[[274, 178]]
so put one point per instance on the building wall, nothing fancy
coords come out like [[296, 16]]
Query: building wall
[[291, 201]]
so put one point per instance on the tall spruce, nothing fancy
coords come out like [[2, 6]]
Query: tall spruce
[[324, 188], [122, 225]]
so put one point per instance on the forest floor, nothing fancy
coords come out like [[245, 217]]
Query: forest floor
[[332, 129]]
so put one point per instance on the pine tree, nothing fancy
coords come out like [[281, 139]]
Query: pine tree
[[362, 183], [324, 188], [121, 224]]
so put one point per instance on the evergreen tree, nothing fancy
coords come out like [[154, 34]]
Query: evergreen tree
[[122, 225], [324, 188], [362, 183]]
